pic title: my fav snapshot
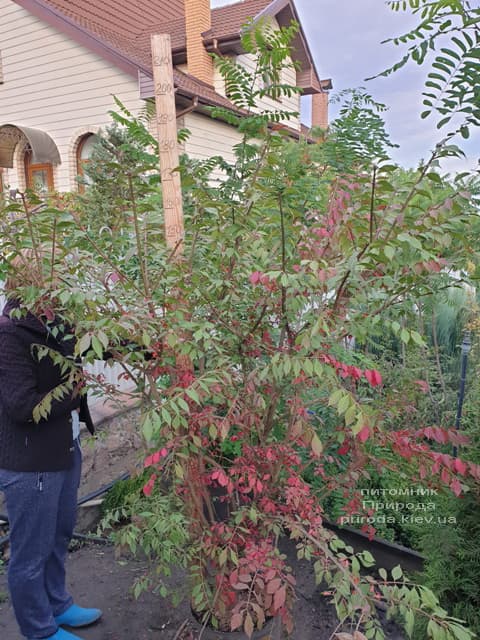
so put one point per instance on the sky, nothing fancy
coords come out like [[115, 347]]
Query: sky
[[345, 40]]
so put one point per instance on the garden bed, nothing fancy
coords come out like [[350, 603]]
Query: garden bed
[[99, 578]]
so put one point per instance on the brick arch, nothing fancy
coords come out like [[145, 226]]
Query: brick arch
[[72, 152], [19, 163]]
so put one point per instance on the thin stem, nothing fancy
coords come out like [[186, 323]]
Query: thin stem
[[284, 320], [372, 202], [52, 256], [410, 195], [32, 236], [140, 252], [437, 355]]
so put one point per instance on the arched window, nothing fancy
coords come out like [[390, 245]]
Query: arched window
[[38, 177], [84, 153]]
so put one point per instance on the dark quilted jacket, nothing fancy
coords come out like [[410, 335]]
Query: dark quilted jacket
[[24, 382]]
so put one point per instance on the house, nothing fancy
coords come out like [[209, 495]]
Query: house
[[61, 61]]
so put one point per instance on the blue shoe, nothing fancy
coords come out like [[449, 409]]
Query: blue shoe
[[76, 616], [61, 634]]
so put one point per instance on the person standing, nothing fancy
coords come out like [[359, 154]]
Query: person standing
[[40, 465]]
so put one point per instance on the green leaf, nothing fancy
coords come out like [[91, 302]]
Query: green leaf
[[84, 343], [389, 251], [409, 622], [97, 347], [395, 326], [397, 572], [147, 428], [335, 398], [192, 394], [166, 417], [317, 446], [434, 177], [344, 404], [417, 338]]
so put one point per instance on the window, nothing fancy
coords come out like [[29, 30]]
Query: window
[[39, 177], [84, 153]]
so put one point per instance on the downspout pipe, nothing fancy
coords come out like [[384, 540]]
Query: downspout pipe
[[466, 346]]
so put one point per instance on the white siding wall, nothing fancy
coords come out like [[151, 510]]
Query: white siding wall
[[210, 138], [287, 104], [53, 84], [289, 77]]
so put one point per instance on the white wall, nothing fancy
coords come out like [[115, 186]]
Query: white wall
[[289, 77], [210, 138], [53, 84]]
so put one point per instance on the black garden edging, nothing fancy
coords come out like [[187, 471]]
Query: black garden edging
[[387, 554]]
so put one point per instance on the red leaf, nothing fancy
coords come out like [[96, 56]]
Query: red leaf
[[474, 470], [364, 434], [49, 315], [356, 373], [460, 466], [374, 377], [429, 433], [222, 479], [148, 461], [344, 449], [274, 585], [440, 436], [456, 487], [148, 488]]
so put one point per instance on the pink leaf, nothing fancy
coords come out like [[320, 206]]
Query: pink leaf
[[423, 385], [255, 277], [279, 598], [236, 621]]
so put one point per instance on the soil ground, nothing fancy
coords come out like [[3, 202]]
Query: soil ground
[[97, 577]]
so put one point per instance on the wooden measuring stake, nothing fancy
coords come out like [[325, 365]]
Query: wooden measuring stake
[[167, 140]]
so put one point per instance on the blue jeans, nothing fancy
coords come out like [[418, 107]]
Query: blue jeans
[[42, 510]]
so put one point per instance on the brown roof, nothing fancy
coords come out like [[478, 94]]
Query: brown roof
[[121, 29], [127, 18], [126, 25], [228, 20]]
